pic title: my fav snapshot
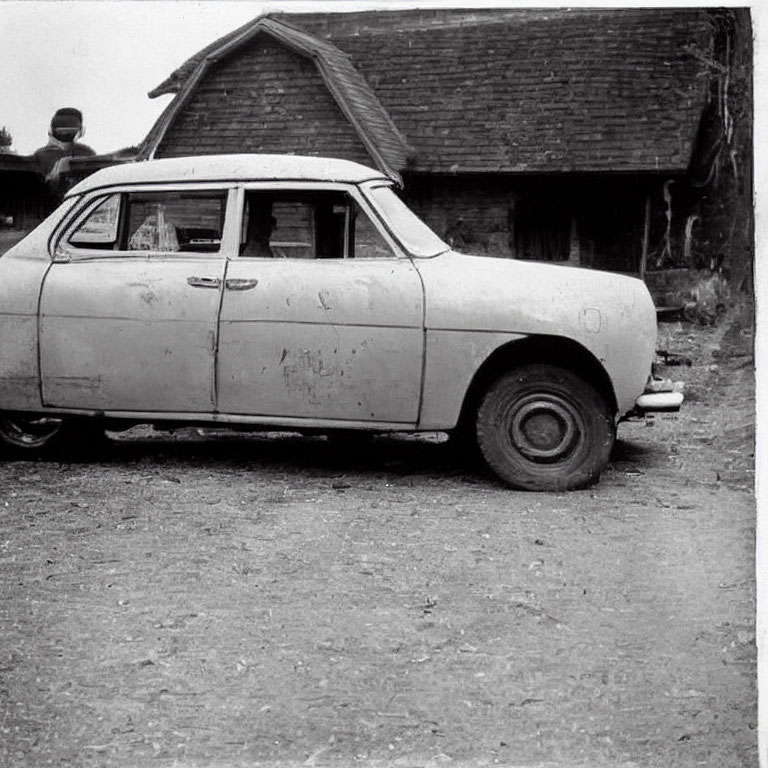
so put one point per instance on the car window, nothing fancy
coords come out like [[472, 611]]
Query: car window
[[173, 221], [191, 222], [308, 225], [99, 228]]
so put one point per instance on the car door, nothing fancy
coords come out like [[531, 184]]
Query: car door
[[129, 307], [326, 324]]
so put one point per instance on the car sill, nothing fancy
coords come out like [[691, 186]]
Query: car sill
[[229, 418]]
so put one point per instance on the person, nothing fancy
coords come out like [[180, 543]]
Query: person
[[65, 130], [261, 225]]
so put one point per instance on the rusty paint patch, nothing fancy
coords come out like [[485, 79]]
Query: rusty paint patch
[[312, 376]]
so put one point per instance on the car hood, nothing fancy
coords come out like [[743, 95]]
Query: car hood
[[523, 296]]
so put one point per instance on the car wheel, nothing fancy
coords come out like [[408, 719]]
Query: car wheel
[[543, 428], [33, 435]]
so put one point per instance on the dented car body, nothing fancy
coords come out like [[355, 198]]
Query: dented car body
[[301, 293]]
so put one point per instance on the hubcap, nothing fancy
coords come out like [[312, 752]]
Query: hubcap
[[29, 432], [544, 428]]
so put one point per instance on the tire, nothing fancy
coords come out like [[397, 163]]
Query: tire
[[30, 436], [543, 428]]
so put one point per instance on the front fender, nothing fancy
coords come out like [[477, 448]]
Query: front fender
[[477, 305]]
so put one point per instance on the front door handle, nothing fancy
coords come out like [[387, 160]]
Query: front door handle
[[238, 284], [204, 282]]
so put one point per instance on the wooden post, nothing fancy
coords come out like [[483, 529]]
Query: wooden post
[[646, 237], [574, 250]]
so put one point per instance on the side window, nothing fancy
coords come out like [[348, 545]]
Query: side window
[[173, 222], [308, 225], [190, 222], [99, 228]]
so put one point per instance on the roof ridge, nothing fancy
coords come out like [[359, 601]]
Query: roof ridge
[[522, 16], [462, 19]]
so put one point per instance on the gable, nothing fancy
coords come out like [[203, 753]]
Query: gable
[[262, 98]]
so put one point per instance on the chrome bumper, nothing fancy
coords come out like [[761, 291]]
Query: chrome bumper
[[658, 402], [654, 402]]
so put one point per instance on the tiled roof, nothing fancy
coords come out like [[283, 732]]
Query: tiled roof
[[519, 90], [346, 24]]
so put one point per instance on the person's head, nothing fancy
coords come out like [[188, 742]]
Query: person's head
[[67, 125], [261, 222]]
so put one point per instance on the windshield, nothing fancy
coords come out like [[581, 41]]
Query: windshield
[[414, 235]]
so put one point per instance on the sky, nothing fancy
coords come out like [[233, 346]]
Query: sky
[[101, 57]]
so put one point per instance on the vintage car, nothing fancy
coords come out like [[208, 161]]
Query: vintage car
[[300, 293]]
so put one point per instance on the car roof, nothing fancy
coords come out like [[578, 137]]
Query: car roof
[[252, 167]]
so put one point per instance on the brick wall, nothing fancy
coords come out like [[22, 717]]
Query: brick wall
[[587, 221], [479, 207], [265, 98]]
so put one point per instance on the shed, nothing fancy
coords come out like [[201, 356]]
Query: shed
[[24, 196]]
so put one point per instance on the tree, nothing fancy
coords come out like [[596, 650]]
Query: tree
[[5, 139], [727, 223]]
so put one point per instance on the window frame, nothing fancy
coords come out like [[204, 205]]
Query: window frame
[[86, 212], [62, 251], [352, 190]]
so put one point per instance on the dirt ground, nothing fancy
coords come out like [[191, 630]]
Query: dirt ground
[[202, 599]]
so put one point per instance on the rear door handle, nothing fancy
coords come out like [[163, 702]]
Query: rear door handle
[[204, 282], [238, 284]]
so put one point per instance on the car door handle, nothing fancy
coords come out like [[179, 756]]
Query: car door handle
[[238, 284], [204, 282]]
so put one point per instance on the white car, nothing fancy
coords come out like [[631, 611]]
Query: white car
[[301, 293]]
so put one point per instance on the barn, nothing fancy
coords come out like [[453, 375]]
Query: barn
[[592, 137]]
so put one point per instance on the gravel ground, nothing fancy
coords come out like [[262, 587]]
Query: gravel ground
[[209, 599]]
